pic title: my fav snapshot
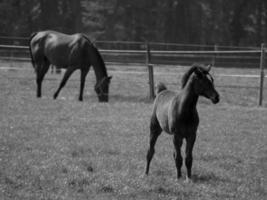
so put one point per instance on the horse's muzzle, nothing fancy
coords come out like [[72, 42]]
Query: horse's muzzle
[[215, 99], [103, 99]]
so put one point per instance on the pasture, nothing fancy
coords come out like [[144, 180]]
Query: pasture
[[66, 149]]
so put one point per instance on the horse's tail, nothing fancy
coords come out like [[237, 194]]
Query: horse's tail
[[30, 49], [160, 87]]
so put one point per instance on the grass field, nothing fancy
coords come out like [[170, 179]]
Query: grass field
[[66, 149]]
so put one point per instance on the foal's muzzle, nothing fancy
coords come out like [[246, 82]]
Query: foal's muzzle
[[215, 98]]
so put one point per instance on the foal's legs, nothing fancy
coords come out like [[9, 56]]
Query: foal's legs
[[67, 74], [84, 72], [155, 131], [189, 157], [52, 69], [40, 69], [178, 141]]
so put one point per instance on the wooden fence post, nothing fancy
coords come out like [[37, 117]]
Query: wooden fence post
[[150, 72], [262, 63], [151, 81]]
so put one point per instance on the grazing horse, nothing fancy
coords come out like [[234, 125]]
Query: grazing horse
[[176, 114], [70, 52]]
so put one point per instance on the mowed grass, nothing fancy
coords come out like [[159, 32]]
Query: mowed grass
[[65, 149]]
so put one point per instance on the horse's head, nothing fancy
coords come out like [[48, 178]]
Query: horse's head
[[204, 85], [102, 89]]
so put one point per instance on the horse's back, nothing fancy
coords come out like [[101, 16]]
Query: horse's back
[[59, 48], [56, 36], [57, 39]]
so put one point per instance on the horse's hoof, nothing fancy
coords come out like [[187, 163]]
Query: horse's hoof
[[188, 180], [144, 175]]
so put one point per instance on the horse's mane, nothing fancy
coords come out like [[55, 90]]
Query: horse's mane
[[188, 74], [98, 55], [190, 71]]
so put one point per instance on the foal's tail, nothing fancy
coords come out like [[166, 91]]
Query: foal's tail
[[160, 87], [30, 39]]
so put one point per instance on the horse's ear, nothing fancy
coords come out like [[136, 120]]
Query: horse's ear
[[109, 78], [208, 67]]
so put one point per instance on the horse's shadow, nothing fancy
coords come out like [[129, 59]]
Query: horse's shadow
[[203, 177], [130, 99], [120, 98], [207, 178]]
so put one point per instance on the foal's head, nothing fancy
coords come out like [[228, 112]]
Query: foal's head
[[203, 84], [102, 89]]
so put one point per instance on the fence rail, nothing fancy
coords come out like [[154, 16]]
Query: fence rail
[[146, 54], [224, 58]]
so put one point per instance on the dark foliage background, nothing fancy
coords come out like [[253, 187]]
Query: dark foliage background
[[224, 22]]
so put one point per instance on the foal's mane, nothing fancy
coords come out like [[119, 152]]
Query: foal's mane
[[190, 71], [188, 74]]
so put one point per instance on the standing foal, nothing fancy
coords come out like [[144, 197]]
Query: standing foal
[[176, 114]]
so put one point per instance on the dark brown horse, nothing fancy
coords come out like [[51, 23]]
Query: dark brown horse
[[70, 52], [176, 114]]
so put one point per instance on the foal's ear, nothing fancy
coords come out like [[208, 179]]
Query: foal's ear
[[208, 67]]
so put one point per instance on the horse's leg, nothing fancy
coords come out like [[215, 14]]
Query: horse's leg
[[190, 141], [155, 131], [84, 72], [178, 141], [66, 76], [41, 70]]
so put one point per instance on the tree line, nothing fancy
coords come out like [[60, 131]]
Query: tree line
[[222, 22]]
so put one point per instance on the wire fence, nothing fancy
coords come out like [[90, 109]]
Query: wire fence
[[220, 58], [145, 54], [16, 48]]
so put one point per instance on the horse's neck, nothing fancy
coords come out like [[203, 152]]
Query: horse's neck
[[98, 72], [188, 97], [99, 66], [99, 69]]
